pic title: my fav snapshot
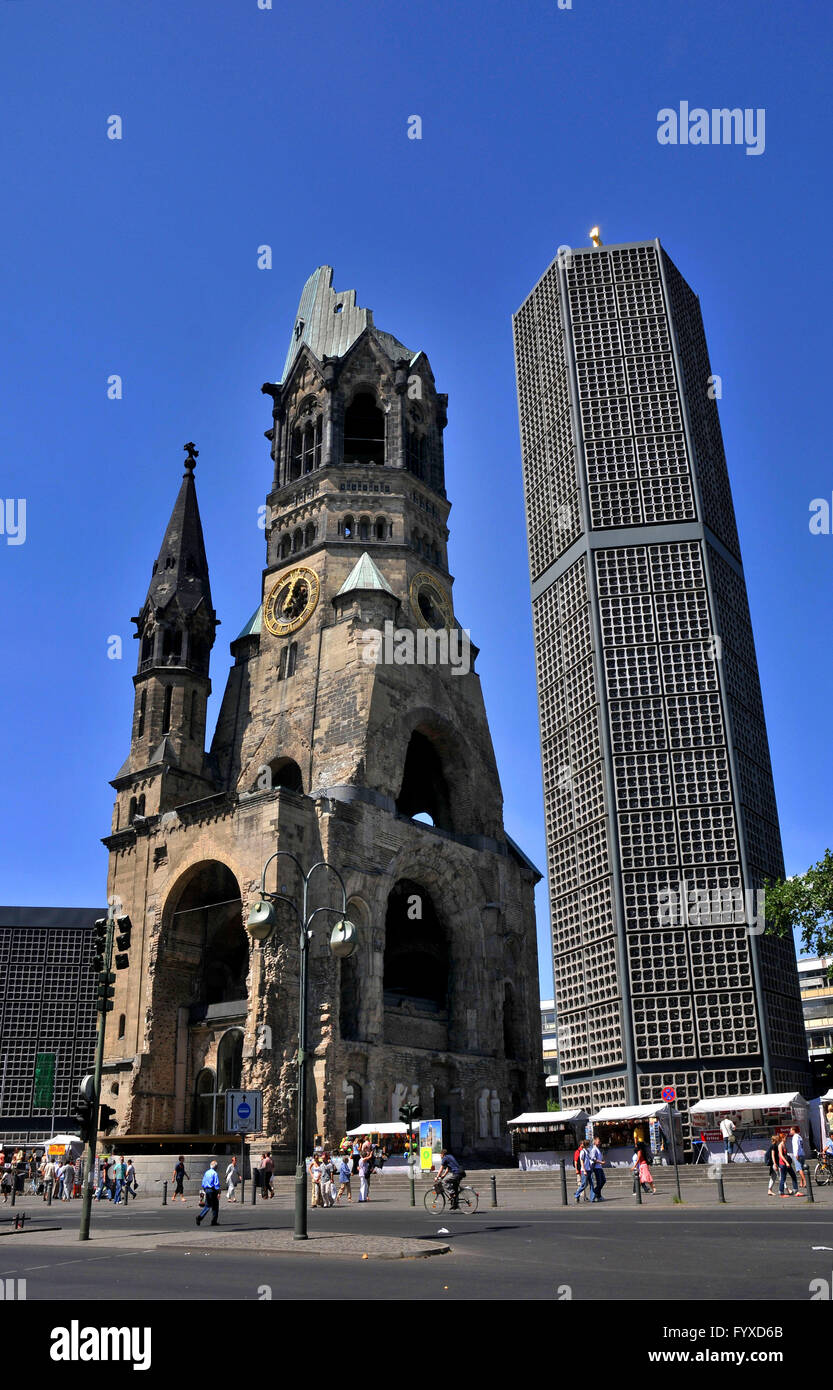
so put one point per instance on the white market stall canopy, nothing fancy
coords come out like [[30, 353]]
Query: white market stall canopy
[[549, 1117], [716, 1105], [390, 1128], [827, 1096], [629, 1112]]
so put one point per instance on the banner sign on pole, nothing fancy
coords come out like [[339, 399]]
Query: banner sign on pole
[[244, 1112], [44, 1080]]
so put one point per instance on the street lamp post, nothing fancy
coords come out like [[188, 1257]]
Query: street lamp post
[[261, 924]]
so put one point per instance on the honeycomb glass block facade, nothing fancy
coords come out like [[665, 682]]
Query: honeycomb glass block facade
[[660, 808], [47, 1005]]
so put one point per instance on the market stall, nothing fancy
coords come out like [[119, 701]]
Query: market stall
[[391, 1136], [621, 1127], [540, 1139], [755, 1117]]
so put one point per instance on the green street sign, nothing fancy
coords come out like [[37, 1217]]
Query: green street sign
[[44, 1080]]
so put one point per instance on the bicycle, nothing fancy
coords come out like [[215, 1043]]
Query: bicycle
[[823, 1173], [435, 1199]]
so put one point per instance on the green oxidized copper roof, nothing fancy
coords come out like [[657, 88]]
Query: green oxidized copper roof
[[254, 624], [365, 575], [329, 321]]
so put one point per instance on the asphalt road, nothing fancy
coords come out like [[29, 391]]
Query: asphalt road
[[612, 1252]]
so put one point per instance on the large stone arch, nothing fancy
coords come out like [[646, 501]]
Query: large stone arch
[[466, 803], [200, 963]]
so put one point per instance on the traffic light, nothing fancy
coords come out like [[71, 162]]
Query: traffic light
[[106, 980], [106, 1118], [83, 1116], [124, 927], [409, 1113], [100, 943]]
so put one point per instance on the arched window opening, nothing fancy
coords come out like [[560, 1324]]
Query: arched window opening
[[147, 647], [352, 1105], [380, 528], [205, 1103], [416, 453], [512, 1031], [424, 788], [296, 461], [142, 706], [171, 645], [230, 1060], [364, 528], [282, 664], [347, 528], [286, 773], [364, 431], [208, 922], [122, 1025], [286, 546], [291, 659], [140, 805], [309, 535], [416, 954], [131, 814], [348, 1004], [297, 540], [166, 713]]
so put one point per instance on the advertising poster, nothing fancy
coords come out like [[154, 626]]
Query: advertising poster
[[430, 1142]]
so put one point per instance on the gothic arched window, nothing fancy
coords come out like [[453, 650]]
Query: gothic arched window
[[364, 430]]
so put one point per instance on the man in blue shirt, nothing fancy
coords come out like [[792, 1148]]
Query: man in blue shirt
[[449, 1176], [211, 1188]]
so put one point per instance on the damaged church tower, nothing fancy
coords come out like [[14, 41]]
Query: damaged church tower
[[327, 747]]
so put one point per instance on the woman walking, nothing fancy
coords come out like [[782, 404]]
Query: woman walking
[[232, 1179], [642, 1170], [772, 1164], [785, 1169]]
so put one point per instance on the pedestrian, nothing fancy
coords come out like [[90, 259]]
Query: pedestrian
[[345, 1170], [119, 1173], [578, 1168], [68, 1179], [210, 1194], [79, 1176], [785, 1169], [315, 1179], [325, 1170], [772, 1163], [266, 1169], [6, 1182], [179, 1176], [232, 1179], [131, 1184], [642, 1169], [356, 1155], [365, 1170], [797, 1150], [103, 1189], [48, 1178], [597, 1173], [59, 1180], [727, 1129], [585, 1169]]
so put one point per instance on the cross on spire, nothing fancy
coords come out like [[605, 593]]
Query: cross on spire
[[191, 462]]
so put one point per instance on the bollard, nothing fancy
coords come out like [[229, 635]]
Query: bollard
[[637, 1189], [564, 1198], [721, 1195], [493, 1181], [254, 1188], [810, 1194], [14, 1187], [50, 1185], [165, 1194]]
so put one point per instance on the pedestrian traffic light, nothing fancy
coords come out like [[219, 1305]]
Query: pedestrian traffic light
[[124, 927], [106, 1118], [106, 980], [409, 1113], [83, 1116]]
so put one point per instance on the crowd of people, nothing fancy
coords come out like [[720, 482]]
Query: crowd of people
[[332, 1176]]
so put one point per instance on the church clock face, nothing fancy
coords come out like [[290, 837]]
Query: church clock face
[[430, 602], [291, 601]]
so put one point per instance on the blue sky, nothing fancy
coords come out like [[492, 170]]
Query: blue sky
[[288, 127]]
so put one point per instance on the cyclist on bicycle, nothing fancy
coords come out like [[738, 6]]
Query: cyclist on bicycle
[[450, 1175]]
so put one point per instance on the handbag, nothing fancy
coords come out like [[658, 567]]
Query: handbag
[[202, 1197]]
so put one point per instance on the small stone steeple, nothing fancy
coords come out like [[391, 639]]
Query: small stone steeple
[[176, 627]]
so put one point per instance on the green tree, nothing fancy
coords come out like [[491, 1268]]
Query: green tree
[[552, 1103], [804, 902]]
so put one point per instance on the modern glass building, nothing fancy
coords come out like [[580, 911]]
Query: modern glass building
[[47, 1010], [660, 807]]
